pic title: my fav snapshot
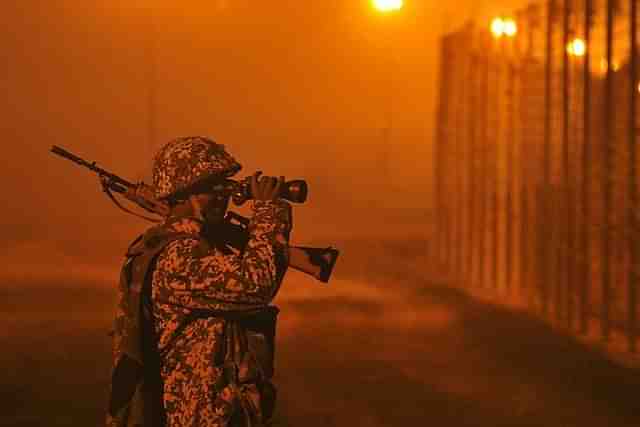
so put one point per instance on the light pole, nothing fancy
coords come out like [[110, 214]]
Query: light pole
[[585, 282], [564, 299], [503, 29], [152, 81], [388, 8], [575, 49]]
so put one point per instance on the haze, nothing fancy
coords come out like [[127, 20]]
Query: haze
[[303, 89], [329, 91]]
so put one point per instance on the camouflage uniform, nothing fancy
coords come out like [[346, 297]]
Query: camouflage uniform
[[178, 295], [189, 276]]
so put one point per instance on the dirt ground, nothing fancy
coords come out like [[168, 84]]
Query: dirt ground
[[368, 350]]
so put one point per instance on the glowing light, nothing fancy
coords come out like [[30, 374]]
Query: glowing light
[[577, 47], [603, 66], [510, 27], [497, 27], [615, 66], [503, 27], [387, 5]]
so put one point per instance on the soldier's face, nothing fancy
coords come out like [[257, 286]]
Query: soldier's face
[[215, 207]]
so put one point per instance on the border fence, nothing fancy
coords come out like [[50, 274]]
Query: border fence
[[536, 163]]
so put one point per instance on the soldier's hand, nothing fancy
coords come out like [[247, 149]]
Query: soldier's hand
[[266, 187]]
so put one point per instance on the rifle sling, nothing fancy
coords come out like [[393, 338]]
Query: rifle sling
[[106, 189]]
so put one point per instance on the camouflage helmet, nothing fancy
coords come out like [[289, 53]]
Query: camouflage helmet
[[185, 161]]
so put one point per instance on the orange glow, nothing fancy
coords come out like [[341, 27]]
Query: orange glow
[[503, 27], [576, 47], [615, 66], [497, 27], [603, 66], [387, 5], [510, 27]]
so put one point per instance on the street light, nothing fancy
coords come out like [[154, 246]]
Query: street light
[[387, 5], [577, 47], [503, 27], [497, 27], [510, 28]]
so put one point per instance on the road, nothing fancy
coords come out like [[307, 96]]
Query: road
[[364, 351]]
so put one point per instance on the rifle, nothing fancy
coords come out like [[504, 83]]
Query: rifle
[[317, 262]]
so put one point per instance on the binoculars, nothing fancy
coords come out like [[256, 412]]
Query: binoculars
[[240, 191]]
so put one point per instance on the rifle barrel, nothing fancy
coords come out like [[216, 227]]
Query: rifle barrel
[[92, 166], [67, 155]]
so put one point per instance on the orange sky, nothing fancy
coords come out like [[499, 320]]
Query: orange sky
[[302, 89]]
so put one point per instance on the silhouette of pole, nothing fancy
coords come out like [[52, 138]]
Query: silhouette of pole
[[441, 165], [457, 161], [152, 81], [585, 282], [472, 119], [511, 141], [564, 279], [484, 159], [608, 134], [544, 288], [633, 208], [526, 170], [495, 172], [462, 139]]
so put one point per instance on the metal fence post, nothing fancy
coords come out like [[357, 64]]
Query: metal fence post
[[608, 134], [458, 162], [495, 145], [484, 153], [566, 239], [466, 155], [634, 245], [523, 167], [551, 6], [510, 140], [438, 167], [585, 283], [472, 166]]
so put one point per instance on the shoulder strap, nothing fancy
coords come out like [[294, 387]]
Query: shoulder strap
[[134, 382], [146, 250], [141, 256]]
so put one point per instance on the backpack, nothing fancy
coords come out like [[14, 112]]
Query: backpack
[[136, 389]]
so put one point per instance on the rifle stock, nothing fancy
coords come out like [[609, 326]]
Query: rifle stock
[[317, 262]]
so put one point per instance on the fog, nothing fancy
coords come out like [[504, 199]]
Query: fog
[[301, 89]]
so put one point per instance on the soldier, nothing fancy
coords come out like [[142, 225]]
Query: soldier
[[194, 310]]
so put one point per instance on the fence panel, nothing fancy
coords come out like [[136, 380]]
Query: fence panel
[[536, 163]]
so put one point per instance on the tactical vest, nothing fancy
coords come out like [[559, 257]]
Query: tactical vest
[[136, 385]]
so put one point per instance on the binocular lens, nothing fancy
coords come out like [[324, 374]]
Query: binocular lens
[[294, 191]]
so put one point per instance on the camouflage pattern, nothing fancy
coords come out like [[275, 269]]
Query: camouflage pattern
[[190, 275], [184, 161], [135, 389]]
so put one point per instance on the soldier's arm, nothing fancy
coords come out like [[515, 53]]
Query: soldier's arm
[[197, 278]]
